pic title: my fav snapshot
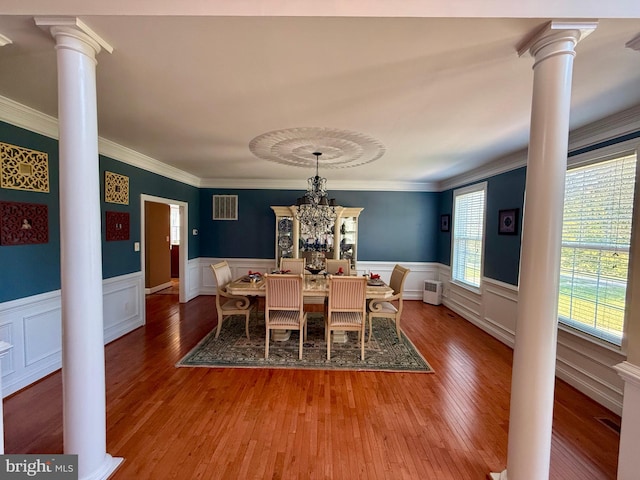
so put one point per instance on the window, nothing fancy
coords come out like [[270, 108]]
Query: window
[[596, 234], [468, 234], [175, 225]]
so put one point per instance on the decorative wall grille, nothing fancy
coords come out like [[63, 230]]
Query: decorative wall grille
[[116, 188], [23, 169]]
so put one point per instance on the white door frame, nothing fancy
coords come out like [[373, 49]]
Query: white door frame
[[183, 256]]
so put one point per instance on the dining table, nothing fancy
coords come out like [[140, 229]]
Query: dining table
[[315, 285]]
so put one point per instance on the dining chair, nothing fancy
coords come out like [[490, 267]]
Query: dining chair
[[390, 307], [346, 308], [228, 305], [284, 306], [333, 266], [293, 265]]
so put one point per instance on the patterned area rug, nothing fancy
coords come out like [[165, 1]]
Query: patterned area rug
[[232, 349]]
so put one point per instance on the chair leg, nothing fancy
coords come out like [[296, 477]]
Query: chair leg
[[301, 341], [370, 329], [398, 328], [362, 343], [266, 344], [328, 335], [220, 318]]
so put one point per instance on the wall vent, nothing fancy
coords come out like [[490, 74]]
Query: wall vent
[[225, 207]]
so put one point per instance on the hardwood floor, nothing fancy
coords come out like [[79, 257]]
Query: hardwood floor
[[201, 423]]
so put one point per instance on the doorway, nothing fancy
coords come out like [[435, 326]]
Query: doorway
[[182, 256]]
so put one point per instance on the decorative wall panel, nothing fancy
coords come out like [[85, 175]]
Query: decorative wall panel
[[116, 188], [117, 226], [23, 223], [23, 169]]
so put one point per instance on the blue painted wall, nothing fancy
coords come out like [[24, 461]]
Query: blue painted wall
[[394, 226], [119, 257], [31, 269], [502, 252], [27, 270]]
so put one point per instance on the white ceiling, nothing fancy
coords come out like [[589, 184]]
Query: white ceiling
[[443, 95]]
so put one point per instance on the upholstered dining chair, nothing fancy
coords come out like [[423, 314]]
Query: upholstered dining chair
[[390, 307], [228, 305], [293, 265], [346, 308], [333, 266], [283, 306]]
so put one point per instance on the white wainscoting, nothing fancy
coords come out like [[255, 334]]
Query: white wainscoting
[[33, 326], [238, 266], [581, 362]]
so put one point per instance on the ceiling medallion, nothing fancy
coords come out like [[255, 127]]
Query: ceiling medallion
[[296, 147]]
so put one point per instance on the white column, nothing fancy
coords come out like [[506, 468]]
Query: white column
[[83, 371], [628, 458], [4, 350], [534, 356]]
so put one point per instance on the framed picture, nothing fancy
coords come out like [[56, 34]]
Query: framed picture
[[444, 223], [508, 221]]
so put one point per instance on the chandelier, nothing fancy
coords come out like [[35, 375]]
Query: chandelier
[[315, 212]]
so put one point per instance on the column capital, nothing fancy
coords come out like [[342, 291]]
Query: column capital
[[73, 27], [634, 43], [556, 31]]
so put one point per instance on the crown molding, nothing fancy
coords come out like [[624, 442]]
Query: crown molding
[[616, 125], [126, 155], [334, 185], [25, 117], [504, 164], [607, 128]]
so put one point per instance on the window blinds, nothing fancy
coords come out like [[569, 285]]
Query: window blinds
[[596, 236], [468, 233]]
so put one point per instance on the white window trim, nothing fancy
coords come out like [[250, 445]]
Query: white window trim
[[603, 154], [476, 187]]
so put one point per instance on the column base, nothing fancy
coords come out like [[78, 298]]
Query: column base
[[108, 467], [340, 336], [280, 335], [498, 476]]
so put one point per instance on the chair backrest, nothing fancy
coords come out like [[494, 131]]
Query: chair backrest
[[398, 276], [284, 292], [347, 294], [222, 274], [294, 265], [332, 266]]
